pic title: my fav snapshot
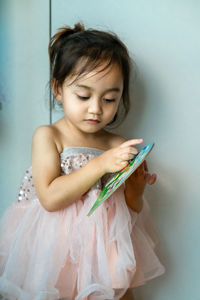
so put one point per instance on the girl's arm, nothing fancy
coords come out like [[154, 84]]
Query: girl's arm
[[133, 201], [135, 185], [57, 191]]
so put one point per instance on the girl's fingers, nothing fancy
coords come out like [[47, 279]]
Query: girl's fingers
[[131, 143], [128, 153], [151, 179], [154, 177], [127, 156], [134, 151]]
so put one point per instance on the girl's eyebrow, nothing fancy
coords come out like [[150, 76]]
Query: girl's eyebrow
[[115, 89]]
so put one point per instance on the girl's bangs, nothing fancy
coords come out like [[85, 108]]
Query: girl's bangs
[[87, 65]]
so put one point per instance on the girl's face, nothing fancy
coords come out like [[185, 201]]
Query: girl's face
[[91, 102]]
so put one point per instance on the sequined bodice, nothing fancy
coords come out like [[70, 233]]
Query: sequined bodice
[[71, 159]]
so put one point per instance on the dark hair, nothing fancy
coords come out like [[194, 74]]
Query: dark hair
[[68, 46]]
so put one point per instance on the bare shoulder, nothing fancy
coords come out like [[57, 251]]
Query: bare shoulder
[[44, 147], [43, 130], [44, 134]]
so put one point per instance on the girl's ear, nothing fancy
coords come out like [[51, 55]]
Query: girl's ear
[[57, 91]]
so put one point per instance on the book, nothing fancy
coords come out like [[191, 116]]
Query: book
[[118, 178]]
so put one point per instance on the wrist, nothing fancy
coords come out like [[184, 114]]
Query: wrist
[[135, 202], [100, 165]]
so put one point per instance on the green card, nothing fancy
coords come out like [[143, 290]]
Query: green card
[[118, 178]]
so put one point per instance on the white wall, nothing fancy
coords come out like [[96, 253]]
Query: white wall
[[163, 38], [24, 73]]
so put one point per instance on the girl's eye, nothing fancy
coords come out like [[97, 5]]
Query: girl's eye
[[86, 98], [109, 100], [82, 98]]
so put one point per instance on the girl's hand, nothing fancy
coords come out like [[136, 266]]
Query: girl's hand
[[117, 158], [135, 185], [140, 178]]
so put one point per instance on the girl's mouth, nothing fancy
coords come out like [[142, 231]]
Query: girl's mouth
[[91, 121]]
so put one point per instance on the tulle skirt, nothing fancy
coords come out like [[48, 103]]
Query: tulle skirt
[[66, 254]]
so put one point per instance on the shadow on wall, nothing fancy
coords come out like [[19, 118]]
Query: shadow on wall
[[165, 211]]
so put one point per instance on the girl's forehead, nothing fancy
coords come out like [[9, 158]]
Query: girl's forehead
[[111, 75]]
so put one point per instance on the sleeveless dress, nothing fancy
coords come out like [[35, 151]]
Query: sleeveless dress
[[68, 255]]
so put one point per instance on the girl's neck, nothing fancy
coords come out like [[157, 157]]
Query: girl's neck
[[73, 136]]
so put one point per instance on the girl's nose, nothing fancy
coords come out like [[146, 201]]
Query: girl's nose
[[95, 106]]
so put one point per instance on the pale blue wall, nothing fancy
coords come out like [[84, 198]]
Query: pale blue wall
[[163, 38], [24, 72]]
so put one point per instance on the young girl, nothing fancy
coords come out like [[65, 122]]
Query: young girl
[[49, 248]]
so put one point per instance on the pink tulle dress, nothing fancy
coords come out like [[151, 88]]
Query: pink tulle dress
[[68, 255]]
